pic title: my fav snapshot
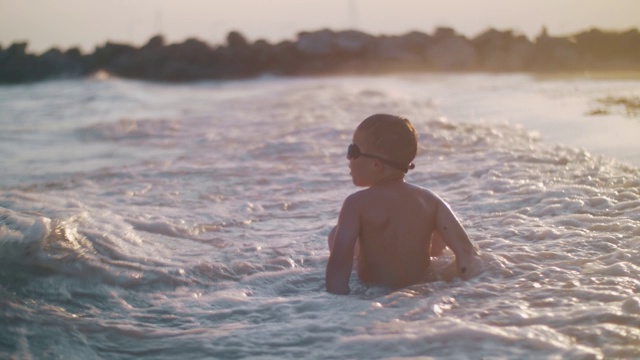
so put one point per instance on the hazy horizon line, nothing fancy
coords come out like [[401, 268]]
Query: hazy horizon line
[[176, 40]]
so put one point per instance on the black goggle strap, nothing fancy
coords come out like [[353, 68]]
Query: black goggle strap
[[353, 152]]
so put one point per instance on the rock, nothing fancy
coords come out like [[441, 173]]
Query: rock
[[416, 42], [105, 55], [55, 64], [503, 51], [318, 43], [259, 59], [236, 40], [240, 59], [15, 64], [394, 49], [608, 49], [156, 42], [73, 53], [186, 61], [554, 53], [17, 49], [518, 58], [450, 51], [444, 33], [327, 52], [352, 42], [285, 59]]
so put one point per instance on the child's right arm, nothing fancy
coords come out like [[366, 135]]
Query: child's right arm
[[454, 236], [341, 258]]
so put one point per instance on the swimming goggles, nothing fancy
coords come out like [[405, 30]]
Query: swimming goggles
[[353, 152]]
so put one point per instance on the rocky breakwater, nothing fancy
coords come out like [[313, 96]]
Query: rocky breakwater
[[330, 52]]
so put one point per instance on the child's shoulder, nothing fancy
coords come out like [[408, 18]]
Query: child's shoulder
[[422, 191], [362, 198], [360, 195], [365, 195]]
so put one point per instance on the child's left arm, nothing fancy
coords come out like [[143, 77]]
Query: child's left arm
[[341, 258], [456, 238]]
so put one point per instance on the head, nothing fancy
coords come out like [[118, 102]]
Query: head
[[388, 143]]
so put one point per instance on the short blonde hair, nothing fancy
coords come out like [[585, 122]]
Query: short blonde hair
[[390, 136]]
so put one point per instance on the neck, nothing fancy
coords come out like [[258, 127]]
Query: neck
[[390, 178]]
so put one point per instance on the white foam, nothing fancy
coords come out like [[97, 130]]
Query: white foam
[[219, 220]]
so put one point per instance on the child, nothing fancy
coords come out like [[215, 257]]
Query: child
[[392, 227]]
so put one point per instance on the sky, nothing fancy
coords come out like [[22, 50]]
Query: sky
[[89, 23]]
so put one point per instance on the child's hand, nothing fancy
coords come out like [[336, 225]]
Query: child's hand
[[473, 267]]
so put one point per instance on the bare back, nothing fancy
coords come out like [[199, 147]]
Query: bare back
[[390, 224], [396, 224]]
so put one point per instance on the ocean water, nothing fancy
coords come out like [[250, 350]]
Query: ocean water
[[144, 220]]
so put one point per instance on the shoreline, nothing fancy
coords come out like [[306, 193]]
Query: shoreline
[[588, 75], [326, 52], [576, 112]]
